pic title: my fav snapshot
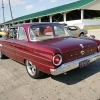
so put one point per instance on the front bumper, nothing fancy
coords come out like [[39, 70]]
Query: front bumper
[[74, 64]]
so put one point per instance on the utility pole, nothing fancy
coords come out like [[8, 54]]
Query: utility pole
[[3, 14], [11, 12]]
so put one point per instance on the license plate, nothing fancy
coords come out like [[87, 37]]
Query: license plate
[[83, 63]]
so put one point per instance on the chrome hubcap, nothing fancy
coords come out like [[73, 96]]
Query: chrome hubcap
[[31, 68], [81, 35]]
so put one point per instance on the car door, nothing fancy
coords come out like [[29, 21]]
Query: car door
[[20, 44], [9, 47]]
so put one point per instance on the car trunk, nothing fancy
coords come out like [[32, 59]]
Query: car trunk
[[73, 48]]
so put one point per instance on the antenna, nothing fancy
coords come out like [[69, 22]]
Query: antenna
[[11, 12], [3, 14]]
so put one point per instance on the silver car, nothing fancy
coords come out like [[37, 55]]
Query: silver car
[[75, 31]]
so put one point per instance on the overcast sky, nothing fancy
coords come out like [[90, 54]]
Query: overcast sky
[[25, 7]]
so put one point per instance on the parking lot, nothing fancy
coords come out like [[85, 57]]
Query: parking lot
[[95, 32], [78, 84]]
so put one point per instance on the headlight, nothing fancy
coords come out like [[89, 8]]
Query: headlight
[[57, 59]]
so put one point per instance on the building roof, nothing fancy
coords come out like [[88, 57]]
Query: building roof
[[59, 9]]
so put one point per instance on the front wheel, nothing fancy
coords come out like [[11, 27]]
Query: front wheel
[[2, 56], [32, 70]]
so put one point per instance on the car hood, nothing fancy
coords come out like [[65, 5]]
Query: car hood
[[69, 44]]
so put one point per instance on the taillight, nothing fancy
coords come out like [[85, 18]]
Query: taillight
[[57, 59], [99, 48]]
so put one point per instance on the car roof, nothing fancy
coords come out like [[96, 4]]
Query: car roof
[[34, 23]]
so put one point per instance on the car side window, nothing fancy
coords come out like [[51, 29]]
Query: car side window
[[58, 30], [22, 34], [13, 33], [72, 28]]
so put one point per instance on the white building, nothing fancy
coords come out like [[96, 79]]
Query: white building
[[81, 13]]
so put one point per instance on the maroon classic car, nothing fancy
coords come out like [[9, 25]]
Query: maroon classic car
[[52, 52]]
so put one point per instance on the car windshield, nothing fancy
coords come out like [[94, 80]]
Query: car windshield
[[42, 32]]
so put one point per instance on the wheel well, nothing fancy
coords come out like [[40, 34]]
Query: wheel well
[[24, 61], [81, 33]]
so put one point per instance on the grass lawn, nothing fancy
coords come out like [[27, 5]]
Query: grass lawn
[[92, 27]]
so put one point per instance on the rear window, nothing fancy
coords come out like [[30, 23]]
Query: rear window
[[41, 32]]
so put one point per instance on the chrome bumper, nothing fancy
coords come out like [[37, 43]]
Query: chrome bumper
[[74, 64]]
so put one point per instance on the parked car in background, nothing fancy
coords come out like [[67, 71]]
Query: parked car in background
[[75, 31], [47, 48], [3, 33]]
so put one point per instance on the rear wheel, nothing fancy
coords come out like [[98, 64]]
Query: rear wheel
[[81, 34], [32, 70]]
